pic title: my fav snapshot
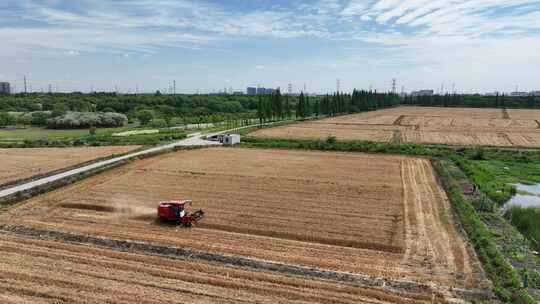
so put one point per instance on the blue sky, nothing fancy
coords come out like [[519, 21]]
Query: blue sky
[[478, 45]]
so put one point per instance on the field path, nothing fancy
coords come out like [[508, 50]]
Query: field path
[[428, 214]]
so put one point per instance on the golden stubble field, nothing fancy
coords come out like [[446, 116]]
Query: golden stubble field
[[17, 164], [424, 125], [379, 216]]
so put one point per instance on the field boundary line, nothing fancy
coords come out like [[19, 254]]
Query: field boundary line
[[243, 262]]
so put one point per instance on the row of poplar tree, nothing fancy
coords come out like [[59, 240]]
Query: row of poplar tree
[[278, 107]]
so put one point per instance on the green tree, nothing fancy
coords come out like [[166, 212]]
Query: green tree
[[145, 116], [287, 107], [260, 110], [168, 113], [5, 119], [59, 109]]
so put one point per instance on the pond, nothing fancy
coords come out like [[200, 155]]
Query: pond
[[527, 196]]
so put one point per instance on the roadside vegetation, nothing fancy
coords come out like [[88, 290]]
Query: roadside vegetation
[[35, 138]]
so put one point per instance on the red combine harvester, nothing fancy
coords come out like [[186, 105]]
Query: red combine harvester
[[175, 212]]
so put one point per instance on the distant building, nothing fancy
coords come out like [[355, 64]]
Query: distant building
[[238, 93], [519, 94], [252, 91], [5, 88], [535, 93], [260, 91], [423, 93]]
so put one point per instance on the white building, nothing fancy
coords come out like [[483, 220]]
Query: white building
[[231, 139], [423, 93], [519, 94]]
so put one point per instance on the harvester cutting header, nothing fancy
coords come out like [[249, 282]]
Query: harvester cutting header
[[175, 212]]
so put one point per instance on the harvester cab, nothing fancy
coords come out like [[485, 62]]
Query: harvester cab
[[175, 212]]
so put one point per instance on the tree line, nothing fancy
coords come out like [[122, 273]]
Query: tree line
[[476, 101], [278, 107]]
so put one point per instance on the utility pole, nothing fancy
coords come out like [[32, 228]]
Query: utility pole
[[174, 87], [25, 86]]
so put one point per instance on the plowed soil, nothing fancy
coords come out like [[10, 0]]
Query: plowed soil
[[382, 216], [17, 164], [449, 126]]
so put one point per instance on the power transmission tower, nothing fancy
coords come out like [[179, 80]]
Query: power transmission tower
[[50, 89], [174, 87], [338, 85], [289, 89], [394, 91], [305, 88], [25, 86]]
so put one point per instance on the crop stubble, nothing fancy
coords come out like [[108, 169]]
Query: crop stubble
[[52, 272], [451, 126], [17, 164], [383, 216]]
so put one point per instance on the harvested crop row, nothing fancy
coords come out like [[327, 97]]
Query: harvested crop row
[[52, 272], [338, 211], [451, 126]]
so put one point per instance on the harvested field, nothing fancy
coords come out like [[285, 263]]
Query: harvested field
[[450, 126], [41, 271], [18, 164], [381, 216]]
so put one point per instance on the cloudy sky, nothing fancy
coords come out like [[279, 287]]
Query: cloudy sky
[[478, 45]]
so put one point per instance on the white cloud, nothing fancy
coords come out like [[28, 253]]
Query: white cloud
[[73, 53], [355, 8], [391, 33]]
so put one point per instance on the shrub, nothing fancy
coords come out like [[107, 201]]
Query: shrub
[[145, 116], [75, 120], [5, 119], [331, 140]]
